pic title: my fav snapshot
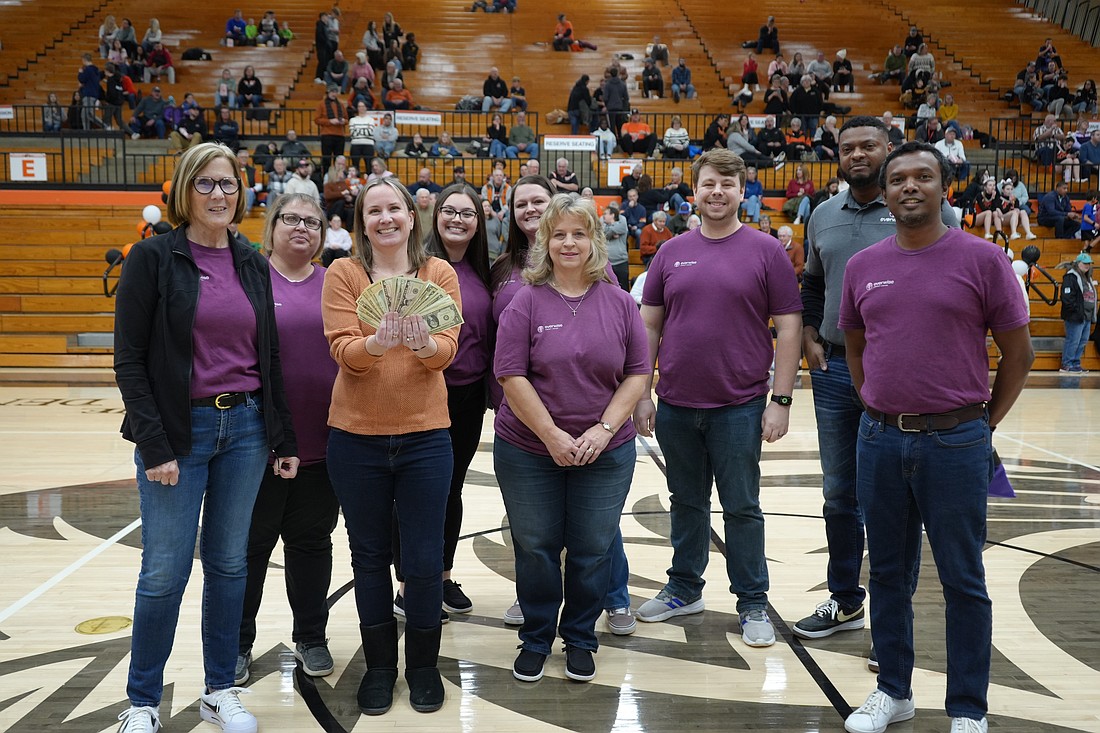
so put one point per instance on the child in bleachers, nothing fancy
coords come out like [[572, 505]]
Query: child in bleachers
[[1088, 221]]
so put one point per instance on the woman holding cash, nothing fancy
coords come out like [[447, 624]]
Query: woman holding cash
[[388, 446]]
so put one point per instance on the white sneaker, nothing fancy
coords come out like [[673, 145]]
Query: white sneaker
[[140, 720], [797, 220], [1015, 235], [969, 725], [879, 711], [223, 708], [757, 629], [1032, 236]]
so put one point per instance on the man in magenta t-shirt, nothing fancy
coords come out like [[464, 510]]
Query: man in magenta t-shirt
[[708, 298], [915, 310]]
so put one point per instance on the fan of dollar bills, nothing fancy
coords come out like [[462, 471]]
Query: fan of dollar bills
[[408, 296]]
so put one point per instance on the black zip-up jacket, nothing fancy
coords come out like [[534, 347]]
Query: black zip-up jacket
[[158, 294], [1073, 297]]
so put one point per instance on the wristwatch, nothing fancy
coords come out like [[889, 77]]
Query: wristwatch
[[607, 427], [782, 399]]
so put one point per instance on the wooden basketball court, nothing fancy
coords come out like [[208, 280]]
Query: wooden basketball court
[[69, 552]]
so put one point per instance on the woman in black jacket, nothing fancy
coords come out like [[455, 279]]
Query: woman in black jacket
[[197, 363], [1078, 312], [579, 106]]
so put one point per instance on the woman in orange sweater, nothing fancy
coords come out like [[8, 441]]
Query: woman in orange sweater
[[388, 446]]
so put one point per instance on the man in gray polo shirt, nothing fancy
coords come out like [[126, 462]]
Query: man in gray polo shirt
[[845, 224]]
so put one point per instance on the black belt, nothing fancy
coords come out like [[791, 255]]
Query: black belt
[[225, 400], [911, 422], [832, 349]]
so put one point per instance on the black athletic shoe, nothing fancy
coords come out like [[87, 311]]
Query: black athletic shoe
[[528, 666], [454, 600]]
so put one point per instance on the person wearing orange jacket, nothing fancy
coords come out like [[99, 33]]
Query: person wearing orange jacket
[[332, 120]]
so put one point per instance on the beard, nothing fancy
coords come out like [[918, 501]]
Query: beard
[[863, 180], [912, 219]]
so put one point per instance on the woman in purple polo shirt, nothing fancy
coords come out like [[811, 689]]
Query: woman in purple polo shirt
[[302, 510], [572, 358], [458, 237]]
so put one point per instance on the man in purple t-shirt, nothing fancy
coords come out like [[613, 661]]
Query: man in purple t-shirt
[[915, 309], [708, 298]]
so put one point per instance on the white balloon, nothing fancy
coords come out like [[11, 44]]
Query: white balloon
[[151, 214], [1019, 267]]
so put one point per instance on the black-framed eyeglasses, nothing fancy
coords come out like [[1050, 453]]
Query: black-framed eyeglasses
[[205, 185], [464, 214], [293, 220]]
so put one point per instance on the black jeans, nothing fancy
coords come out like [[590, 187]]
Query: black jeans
[[331, 147], [304, 512], [466, 405]]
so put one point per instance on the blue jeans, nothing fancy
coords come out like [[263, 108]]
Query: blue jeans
[[228, 457], [371, 476], [719, 444], [551, 508], [384, 148], [751, 206], [940, 478], [804, 208], [497, 149], [618, 592], [513, 152], [838, 408], [1073, 348], [487, 104]]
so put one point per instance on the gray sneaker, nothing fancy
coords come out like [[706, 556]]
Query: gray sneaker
[[241, 674], [756, 628], [621, 621], [514, 615], [315, 658], [665, 606]]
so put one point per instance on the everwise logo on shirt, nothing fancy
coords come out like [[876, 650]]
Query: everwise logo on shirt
[[887, 220], [278, 304], [879, 284], [204, 277], [549, 327], [685, 263]]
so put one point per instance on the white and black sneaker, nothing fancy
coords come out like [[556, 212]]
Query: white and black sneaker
[[829, 618], [141, 719], [224, 709]]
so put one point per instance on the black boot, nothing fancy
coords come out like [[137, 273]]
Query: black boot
[[421, 671], [380, 650]]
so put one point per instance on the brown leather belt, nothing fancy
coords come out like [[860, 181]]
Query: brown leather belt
[[911, 422]]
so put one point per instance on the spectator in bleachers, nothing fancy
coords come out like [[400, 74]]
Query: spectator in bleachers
[[653, 236], [495, 92], [361, 128], [657, 51], [768, 37], [322, 46], [652, 81], [652, 198], [496, 137], [677, 223], [563, 180], [1056, 211], [1021, 84], [52, 114], [636, 136], [251, 32], [750, 72], [496, 229], [410, 52], [398, 97], [1084, 101], [1048, 139], [331, 120], [1013, 212], [108, 32], [424, 208], [128, 38], [1060, 99], [807, 102], [522, 139], [518, 94], [362, 69], [822, 72], [445, 147], [391, 29], [497, 192], [826, 146], [251, 186], [1048, 53], [912, 42], [293, 149], [119, 56], [988, 209], [375, 49], [1088, 219], [614, 229], [149, 116], [921, 65], [800, 144], [800, 189], [795, 250], [715, 136], [89, 78], [630, 180], [158, 62], [416, 148], [385, 137], [676, 141], [302, 180], [606, 139], [928, 109], [681, 81], [268, 32], [1049, 76], [1090, 155], [152, 37], [190, 131], [779, 66], [771, 141], [332, 27], [677, 190], [1019, 190], [234, 28], [616, 98], [563, 34], [951, 148], [378, 171], [277, 179], [894, 133], [114, 96], [226, 130], [930, 132], [738, 143], [393, 54], [360, 94], [842, 72], [250, 90], [796, 70], [948, 113], [225, 90], [766, 227], [337, 72], [893, 68], [635, 214], [752, 200], [775, 98], [1067, 162]]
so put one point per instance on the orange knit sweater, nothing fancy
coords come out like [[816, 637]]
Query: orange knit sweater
[[396, 393]]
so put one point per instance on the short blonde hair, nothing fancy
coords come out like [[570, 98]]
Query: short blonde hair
[[540, 268], [274, 212], [193, 160]]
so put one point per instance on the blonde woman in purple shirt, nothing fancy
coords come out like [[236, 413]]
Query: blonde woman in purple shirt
[[571, 355], [302, 510]]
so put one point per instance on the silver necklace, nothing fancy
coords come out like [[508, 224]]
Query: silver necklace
[[567, 305]]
